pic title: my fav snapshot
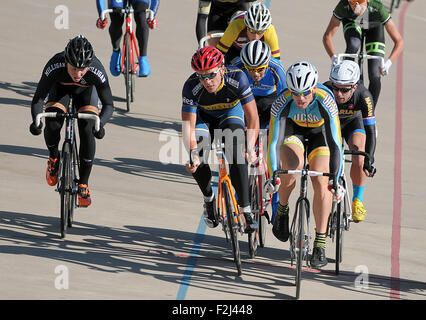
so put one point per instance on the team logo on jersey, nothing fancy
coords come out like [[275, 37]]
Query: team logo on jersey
[[233, 83], [330, 105], [187, 101], [277, 105], [197, 88], [98, 73], [350, 106], [54, 67]]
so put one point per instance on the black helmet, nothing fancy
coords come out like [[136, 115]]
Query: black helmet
[[79, 52]]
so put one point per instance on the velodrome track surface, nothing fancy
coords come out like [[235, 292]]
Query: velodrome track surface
[[143, 237]]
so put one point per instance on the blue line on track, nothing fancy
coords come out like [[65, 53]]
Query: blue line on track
[[193, 256]]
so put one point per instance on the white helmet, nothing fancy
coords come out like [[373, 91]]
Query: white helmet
[[255, 53], [345, 73], [258, 17], [301, 76]]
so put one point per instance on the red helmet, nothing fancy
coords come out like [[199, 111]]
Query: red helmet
[[206, 58]]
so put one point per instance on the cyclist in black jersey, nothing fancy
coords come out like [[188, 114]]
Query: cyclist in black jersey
[[215, 100], [217, 13], [77, 73], [358, 125]]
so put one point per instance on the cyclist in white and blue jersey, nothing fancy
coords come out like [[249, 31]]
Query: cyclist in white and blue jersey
[[306, 109], [266, 76]]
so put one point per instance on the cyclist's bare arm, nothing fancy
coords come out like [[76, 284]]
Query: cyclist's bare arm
[[398, 41], [329, 33]]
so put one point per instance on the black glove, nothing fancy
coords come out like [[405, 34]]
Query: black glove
[[35, 130], [369, 166], [99, 134]]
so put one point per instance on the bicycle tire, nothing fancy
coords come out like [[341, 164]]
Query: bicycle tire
[[339, 237], [127, 72], [300, 237], [74, 187], [253, 237], [262, 216], [232, 228], [64, 188]]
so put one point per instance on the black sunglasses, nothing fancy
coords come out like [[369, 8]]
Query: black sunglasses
[[342, 90]]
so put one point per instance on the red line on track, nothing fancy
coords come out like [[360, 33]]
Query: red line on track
[[397, 198]]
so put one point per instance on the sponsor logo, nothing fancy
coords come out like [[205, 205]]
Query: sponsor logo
[[187, 101], [302, 117], [197, 88], [277, 105], [233, 83], [329, 103], [54, 67], [98, 73]]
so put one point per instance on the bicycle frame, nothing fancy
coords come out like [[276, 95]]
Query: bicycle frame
[[133, 48], [224, 177]]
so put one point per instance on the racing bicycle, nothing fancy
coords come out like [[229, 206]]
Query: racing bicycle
[[68, 172]]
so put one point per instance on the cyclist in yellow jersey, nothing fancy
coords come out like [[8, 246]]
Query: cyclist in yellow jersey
[[256, 25], [214, 15]]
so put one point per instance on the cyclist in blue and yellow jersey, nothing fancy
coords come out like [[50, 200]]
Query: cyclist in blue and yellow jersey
[[217, 14], [216, 101], [371, 18], [77, 73], [143, 24], [256, 25], [306, 109], [266, 76], [358, 128]]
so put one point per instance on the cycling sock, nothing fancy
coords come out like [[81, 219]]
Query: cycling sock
[[319, 240], [247, 209], [282, 209], [358, 191]]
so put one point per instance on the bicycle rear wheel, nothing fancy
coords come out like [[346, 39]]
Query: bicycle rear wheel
[[232, 227], [128, 72], [65, 188], [253, 237]]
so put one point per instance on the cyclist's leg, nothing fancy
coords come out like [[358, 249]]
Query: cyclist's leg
[[115, 33], [57, 101], [142, 34], [352, 33], [86, 102], [319, 160], [375, 45], [292, 158], [232, 129]]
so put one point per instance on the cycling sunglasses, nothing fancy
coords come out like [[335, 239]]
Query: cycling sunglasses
[[208, 76], [354, 2], [342, 90], [258, 69], [255, 31], [301, 94]]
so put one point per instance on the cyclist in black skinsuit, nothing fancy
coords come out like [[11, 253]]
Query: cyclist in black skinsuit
[[358, 125], [77, 73], [217, 13]]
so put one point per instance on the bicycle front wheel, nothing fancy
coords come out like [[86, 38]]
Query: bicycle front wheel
[[301, 246], [74, 184], [339, 235], [253, 237], [232, 226], [128, 72], [65, 188]]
